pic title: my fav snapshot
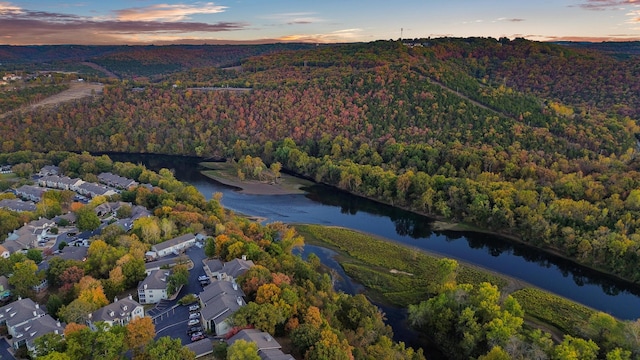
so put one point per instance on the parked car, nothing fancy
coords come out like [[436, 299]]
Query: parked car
[[195, 315], [203, 278], [193, 322], [197, 336], [194, 307], [194, 329]]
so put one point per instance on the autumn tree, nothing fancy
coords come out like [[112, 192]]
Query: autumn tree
[[25, 277], [140, 332], [243, 350]]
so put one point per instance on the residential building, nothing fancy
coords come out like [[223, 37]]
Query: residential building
[[175, 245], [212, 291], [48, 170], [233, 269], [93, 190], [17, 205], [216, 314], [29, 235], [120, 312], [4, 252], [27, 333], [154, 287], [29, 192], [19, 313], [268, 347], [116, 181], [60, 182]]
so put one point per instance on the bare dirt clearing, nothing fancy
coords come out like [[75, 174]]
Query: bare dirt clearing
[[77, 90]]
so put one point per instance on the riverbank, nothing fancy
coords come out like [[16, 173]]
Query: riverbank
[[225, 173], [400, 275]]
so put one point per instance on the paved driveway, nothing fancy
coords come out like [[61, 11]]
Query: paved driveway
[[4, 350], [170, 318]]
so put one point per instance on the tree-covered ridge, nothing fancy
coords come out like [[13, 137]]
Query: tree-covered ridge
[[154, 61], [411, 126]]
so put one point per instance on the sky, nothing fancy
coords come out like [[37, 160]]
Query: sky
[[109, 22]]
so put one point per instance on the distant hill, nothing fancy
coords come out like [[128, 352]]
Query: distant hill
[[136, 61], [620, 49]]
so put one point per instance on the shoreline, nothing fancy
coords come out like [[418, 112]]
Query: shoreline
[[255, 187], [286, 184]]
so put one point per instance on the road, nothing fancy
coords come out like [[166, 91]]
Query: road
[[170, 318]]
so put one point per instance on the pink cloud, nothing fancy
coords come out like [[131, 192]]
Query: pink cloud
[[167, 12], [607, 4]]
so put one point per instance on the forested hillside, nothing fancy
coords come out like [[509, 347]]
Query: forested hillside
[[530, 139]]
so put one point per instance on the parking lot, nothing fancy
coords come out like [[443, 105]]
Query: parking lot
[[170, 318]]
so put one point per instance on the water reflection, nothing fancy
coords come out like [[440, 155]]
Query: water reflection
[[328, 206]]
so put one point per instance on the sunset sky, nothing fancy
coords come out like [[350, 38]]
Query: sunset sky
[[37, 22]]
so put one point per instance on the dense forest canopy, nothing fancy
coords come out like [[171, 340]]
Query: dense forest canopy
[[534, 140]]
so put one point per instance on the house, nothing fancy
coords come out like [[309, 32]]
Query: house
[[19, 313], [174, 246], [233, 269], [218, 301], [212, 267], [120, 312], [48, 170], [29, 235], [27, 333], [217, 288], [216, 314], [268, 347], [93, 190], [60, 182], [116, 181], [154, 287], [17, 205], [4, 252], [201, 348], [78, 253], [29, 192]]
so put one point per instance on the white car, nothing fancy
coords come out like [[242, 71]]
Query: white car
[[194, 322], [194, 307], [194, 316]]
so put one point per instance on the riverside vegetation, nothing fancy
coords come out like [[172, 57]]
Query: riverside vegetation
[[497, 133]]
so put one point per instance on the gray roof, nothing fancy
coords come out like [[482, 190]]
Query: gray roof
[[38, 327], [13, 246], [50, 169], [262, 339], [164, 262], [219, 287], [123, 306], [116, 180], [74, 253], [17, 205], [29, 190], [175, 241], [220, 308], [213, 264], [94, 189], [154, 280], [201, 347], [274, 354], [236, 267], [20, 311]]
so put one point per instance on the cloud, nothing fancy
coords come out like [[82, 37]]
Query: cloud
[[298, 18], [510, 19], [607, 4], [167, 12], [634, 17], [26, 27], [612, 37], [344, 35]]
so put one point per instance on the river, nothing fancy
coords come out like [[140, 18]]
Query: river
[[328, 206]]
